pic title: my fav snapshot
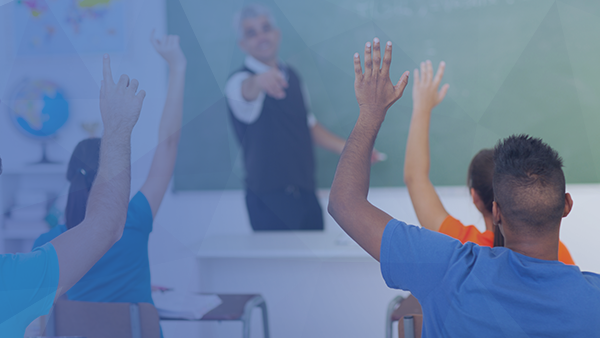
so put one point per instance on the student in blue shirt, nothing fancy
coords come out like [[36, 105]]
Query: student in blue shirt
[[123, 274], [520, 290], [31, 282]]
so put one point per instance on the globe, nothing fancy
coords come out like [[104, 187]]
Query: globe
[[39, 109]]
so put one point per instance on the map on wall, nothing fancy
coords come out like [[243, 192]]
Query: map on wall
[[45, 27]]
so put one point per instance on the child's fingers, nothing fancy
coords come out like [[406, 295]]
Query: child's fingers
[[440, 73], [442, 92], [368, 60], [376, 56], [106, 71], [387, 59], [401, 85], [429, 71], [357, 66], [133, 85], [123, 81], [141, 95]]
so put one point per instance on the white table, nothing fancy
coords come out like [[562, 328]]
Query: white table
[[283, 245], [316, 284]]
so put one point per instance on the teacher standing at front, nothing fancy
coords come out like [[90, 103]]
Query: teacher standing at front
[[270, 112]]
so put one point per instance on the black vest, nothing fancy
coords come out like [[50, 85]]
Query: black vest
[[278, 150]]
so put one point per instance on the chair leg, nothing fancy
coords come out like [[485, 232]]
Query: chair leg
[[134, 317], [253, 303], [265, 318], [409, 327], [246, 327], [388, 319]]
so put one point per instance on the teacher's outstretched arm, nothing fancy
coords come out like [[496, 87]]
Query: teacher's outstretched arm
[[348, 202]]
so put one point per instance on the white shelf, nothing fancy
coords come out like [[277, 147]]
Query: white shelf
[[23, 233], [49, 178], [23, 230], [37, 169]]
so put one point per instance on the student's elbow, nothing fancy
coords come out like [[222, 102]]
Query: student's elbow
[[120, 230], [335, 206], [409, 178], [342, 209], [412, 178], [172, 141]]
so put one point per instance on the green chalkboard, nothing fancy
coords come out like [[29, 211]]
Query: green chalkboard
[[514, 66]]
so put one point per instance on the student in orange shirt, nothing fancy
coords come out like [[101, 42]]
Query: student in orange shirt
[[428, 206]]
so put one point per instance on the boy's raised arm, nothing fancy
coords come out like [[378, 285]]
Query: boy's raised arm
[[82, 246], [425, 200], [348, 202]]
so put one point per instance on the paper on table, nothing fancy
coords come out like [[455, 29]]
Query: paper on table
[[187, 305]]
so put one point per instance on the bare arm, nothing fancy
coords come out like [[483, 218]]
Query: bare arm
[[271, 82], [425, 200], [81, 247], [348, 202], [169, 131], [327, 140]]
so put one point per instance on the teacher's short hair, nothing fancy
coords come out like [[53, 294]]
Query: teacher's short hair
[[248, 12]]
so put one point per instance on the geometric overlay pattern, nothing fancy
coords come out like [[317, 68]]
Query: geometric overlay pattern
[[514, 66]]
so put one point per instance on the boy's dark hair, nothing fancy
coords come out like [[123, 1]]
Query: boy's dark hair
[[480, 178], [81, 172], [529, 184]]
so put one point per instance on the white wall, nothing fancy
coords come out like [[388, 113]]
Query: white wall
[[80, 76]]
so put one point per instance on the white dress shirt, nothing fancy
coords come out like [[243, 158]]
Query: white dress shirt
[[249, 111]]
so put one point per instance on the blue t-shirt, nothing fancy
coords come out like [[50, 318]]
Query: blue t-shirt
[[28, 284], [473, 291], [122, 275]]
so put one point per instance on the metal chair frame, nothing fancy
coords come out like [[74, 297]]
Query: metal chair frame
[[257, 301]]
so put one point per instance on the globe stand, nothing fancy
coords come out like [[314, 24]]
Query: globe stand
[[45, 159]]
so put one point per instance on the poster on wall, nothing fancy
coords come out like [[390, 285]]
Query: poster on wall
[[47, 27]]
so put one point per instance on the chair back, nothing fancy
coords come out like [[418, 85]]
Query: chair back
[[99, 320], [409, 308], [414, 324]]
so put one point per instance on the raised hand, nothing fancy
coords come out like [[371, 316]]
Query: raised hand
[[120, 106], [374, 90], [273, 83], [168, 47], [425, 90]]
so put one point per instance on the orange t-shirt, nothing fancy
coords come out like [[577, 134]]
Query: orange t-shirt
[[454, 228]]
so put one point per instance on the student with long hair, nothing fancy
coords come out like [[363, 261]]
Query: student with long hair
[[426, 202], [31, 282], [123, 274]]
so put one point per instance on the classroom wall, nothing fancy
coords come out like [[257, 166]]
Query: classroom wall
[[80, 74]]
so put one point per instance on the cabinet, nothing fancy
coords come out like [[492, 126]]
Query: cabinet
[[26, 197]]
